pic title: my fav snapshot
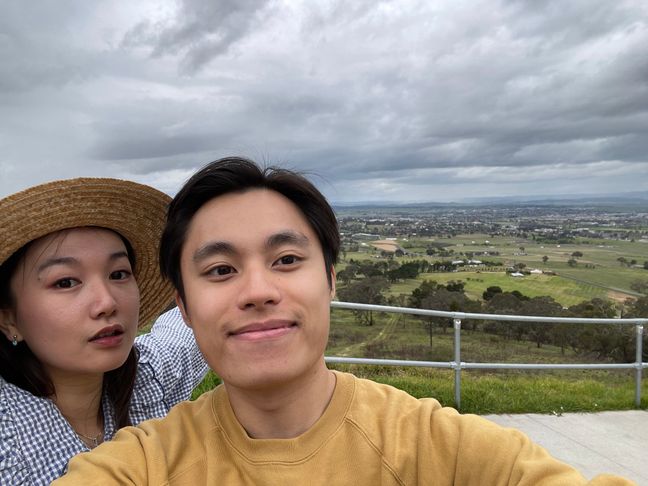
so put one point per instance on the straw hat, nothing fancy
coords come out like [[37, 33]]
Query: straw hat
[[135, 211]]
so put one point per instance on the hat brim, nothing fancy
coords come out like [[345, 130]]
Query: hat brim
[[135, 211]]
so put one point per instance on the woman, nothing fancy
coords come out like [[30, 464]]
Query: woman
[[78, 276]]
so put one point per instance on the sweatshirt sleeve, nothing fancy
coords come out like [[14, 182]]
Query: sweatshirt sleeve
[[120, 461], [488, 454]]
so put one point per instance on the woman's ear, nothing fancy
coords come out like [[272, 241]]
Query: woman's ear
[[8, 325], [333, 276]]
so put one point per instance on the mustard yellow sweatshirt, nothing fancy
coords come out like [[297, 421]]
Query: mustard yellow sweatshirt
[[370, 434]]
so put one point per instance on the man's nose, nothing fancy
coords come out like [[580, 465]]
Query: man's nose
[[259, 288]]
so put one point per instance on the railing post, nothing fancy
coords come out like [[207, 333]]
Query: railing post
[[639, 356], [457, 360]]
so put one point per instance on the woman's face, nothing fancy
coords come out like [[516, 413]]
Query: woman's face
[[76, 302]]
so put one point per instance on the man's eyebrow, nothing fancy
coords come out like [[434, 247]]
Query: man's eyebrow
[[287, 238], [223, 247], [213, 248]]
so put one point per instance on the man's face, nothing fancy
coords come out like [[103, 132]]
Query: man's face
[[256, 289]]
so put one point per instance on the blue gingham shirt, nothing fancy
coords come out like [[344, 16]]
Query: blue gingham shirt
[[36, 442]]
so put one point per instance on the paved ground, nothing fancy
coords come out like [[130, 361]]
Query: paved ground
[[605, 442]]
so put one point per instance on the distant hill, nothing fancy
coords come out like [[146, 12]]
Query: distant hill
[[567, 199], [637, 200]]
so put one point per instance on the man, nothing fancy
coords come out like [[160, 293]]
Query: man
[[250, 253]]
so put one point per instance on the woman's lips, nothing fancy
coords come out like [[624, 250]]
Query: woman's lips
[[109, 336]]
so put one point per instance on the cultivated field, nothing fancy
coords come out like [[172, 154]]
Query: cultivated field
[[598, 273]]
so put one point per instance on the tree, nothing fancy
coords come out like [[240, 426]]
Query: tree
[[491, 291], [371, 269], [445, 300], [593, 308], [506, 303], [639, 308], [404, 271], [622, 261], [577, 254], [545, 259], [455, 286], [541, 306], [640, 286], [572, 262], [422, 291], [365, 291], [345, 275], [605, 341], [430, 295]]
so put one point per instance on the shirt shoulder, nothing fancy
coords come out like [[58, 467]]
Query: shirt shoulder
[[36, 442]]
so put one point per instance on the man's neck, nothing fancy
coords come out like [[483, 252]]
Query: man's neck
[[287, 411]]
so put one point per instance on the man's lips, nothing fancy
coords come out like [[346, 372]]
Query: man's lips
[[108, 332], [263, 330]]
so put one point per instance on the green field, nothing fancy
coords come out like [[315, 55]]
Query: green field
[[597, 274], [565, 291]]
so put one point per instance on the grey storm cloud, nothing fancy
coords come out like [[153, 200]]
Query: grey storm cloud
[[401, 99], [200, 31]]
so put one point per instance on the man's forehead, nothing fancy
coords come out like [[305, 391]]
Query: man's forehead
[[262, 208], [264, 216]]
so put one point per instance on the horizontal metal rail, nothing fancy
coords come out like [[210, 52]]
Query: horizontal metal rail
[[457, 365], [491, 317]]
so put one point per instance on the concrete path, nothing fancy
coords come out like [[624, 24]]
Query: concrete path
[[594, 443]]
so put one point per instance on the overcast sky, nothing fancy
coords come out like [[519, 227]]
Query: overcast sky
[[379, 100]]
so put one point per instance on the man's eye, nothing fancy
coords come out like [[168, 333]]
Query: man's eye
[[221, 270], [66, 283], [288, 260]]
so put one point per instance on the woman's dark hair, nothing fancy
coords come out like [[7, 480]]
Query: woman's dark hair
[[19, 365], [237, 174]]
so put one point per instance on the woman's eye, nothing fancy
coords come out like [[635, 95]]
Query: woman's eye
[[120, 275], [66, 283]]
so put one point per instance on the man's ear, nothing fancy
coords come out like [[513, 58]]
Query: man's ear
[[333, 276], [183, 310], [8, 325]]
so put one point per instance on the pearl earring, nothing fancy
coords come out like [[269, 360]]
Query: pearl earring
[[14, 341]]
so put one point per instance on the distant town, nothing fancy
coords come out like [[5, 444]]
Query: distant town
[[551, 223]]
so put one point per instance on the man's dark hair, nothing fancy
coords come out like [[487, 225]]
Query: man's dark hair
[[237, 174]]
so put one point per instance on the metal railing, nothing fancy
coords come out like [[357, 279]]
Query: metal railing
[[457, 365]]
